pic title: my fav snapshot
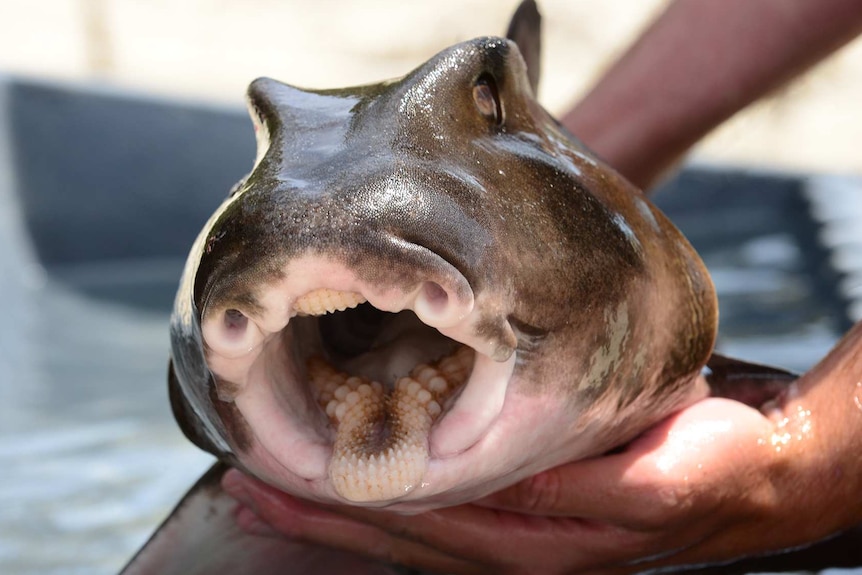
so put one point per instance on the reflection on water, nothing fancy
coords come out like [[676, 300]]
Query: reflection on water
[[90, 454], [103, 187]]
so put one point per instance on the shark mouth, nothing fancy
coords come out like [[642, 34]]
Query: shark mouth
[[397, 376], [382, 420]]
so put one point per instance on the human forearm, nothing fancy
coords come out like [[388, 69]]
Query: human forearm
[[827, 412], [699, 63]]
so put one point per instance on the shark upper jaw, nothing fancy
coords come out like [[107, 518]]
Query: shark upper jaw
[[260, 356]]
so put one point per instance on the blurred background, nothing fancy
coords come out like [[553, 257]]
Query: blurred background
[[122, 125], [212, 49]]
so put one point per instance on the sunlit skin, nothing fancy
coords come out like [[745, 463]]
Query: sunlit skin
[[718, 480], [646, 112]]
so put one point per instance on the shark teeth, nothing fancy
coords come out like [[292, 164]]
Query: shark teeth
[[381, 446], [324, 300]]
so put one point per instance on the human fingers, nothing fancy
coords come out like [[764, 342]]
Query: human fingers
[[269, 512], [512, 542], [667, 474], [465, 539]]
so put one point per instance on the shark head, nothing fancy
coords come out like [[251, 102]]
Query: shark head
[[427, 289]]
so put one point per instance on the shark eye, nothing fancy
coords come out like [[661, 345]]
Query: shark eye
[[487, 98]]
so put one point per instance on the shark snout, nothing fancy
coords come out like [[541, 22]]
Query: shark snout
[[241, 316], [357, 339]]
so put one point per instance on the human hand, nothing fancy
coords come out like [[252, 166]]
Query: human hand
[[716, 481]]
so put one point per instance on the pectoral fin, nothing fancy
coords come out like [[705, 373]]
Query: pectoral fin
[[201, 537], [749, 383]]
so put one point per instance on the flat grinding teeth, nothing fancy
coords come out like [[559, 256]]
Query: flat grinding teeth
[[325, 300], [381, 445]]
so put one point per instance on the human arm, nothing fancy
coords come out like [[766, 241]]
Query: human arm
[[716, 482], [700, 62]]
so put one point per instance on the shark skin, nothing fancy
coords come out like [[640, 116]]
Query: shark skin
[[462, 213], [388, 225]]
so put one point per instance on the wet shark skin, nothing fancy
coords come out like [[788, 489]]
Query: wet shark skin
[[603, 308], [405, 181]]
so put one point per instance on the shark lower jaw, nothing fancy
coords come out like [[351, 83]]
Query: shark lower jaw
[[360, 398], [382, 431]]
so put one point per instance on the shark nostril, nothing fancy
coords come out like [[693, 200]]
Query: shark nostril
[[235, 323], [231, 333], [438, 307], [435, 296]]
